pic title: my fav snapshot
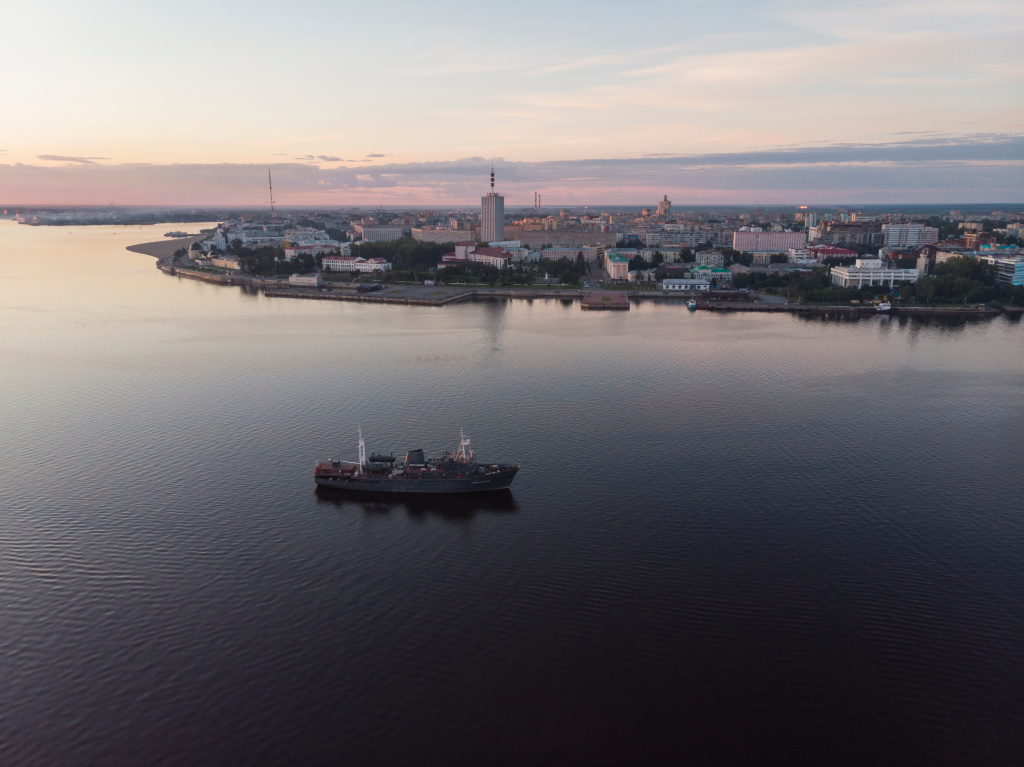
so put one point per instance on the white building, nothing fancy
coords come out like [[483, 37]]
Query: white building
[[801, 257], [942, 256], [217, 240], [1010, 271], [642, 275], [671, 254], [686, 286], [325, 247], [764, 257], [439, 234], [909, 235], [256, 239], [380, 233], [653, 238], [355, 264], [226, 262], [306, 236], [617, 266], [870, 271], [468, 251], [305, 280], [710, 258], [711, 274], [754, 239], [595, 253]]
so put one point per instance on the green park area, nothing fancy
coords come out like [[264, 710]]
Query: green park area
[[956, 281]]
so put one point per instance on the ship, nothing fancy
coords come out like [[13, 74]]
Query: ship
[[453, 472]]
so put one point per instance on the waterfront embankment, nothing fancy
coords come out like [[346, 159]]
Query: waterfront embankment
[[441, 295]]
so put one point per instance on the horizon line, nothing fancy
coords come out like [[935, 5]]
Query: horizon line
[[525, 206]]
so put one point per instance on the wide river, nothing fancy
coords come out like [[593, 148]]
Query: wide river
[[734, 537]]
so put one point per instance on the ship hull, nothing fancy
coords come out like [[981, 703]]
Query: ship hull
[[499, 480]]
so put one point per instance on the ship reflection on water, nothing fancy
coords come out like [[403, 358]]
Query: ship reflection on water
[[459, 506]]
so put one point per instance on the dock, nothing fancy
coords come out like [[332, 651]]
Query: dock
[[368, 298], [606, 301]]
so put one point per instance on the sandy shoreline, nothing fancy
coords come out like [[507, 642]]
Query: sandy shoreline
[[164, 248]]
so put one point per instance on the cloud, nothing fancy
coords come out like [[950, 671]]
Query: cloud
[[376, 155], [310, 158], [581, 63], [982, 167], [64, 158], [998, 147]]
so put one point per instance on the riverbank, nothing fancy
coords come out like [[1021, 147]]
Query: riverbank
[[441, 295], [948, 311]]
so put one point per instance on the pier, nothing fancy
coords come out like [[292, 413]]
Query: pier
[[605, 301]]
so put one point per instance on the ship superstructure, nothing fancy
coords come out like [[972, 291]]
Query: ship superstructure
[[453, 472]]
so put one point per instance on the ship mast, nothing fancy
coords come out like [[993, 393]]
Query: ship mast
[[463, 444], [362, 451]]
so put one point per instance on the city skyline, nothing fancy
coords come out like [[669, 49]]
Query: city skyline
[[859, 102]]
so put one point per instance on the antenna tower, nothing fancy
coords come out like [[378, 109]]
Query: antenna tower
[[492, 178], [270, 181]]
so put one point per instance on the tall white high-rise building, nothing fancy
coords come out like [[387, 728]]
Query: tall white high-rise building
[[757, 240], [492, 215], [909, 235]]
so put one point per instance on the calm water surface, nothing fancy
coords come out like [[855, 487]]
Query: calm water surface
[[734, 537]]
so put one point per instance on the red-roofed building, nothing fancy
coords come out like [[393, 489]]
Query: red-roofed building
[[821, 252], [498, 257]]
